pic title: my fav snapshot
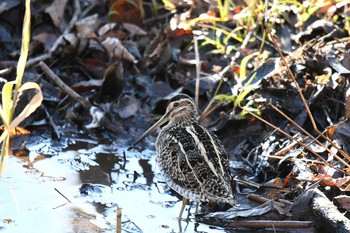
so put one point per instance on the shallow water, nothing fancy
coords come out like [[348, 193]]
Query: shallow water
[[76, 185]]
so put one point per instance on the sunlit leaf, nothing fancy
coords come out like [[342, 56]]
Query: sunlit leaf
[[6, 103], [25, 45], [34, 103], [169, 5], [222, 97], [16, 131], [242, 95], [9, 101], [244, 63]]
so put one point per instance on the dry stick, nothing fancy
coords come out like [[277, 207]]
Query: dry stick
[[257, 198], [198, 69], [159, 18], [77, 12], [104, 121], [309, 135], [303, 98], [263, 200], [62, 195], [295, 159], [289, 136], [269, 224], [69, 91], [119, 220], [37, 59], [207, 111], [289, 147], [292, 77], [52, 123]]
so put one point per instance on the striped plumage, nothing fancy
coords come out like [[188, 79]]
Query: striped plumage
[[192, 159]]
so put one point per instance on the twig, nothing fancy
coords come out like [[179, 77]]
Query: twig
[[37, 59], [280, 158], [284, 150], [289, 136], [269, 224], [293, 78], [52, 123], [119, 220], [198, 69], [208, 111], [96, 113], [62, 195], [77, 12], [257, 198], [309, 135], [69, 91], [304, 100], [158, 18]]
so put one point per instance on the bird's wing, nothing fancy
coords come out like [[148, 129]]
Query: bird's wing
[[201, 159], [195, 148], [212, 149]]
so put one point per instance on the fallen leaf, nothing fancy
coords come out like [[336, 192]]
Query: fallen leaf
[[115, 49], [126, 11], [343, 201], [87, 26], [56, 12], [134, 29]]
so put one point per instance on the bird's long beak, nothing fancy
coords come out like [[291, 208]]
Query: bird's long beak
[[162, 120]]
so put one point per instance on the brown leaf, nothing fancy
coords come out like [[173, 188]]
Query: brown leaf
[[343, 183], [87, 26], [159, 50], [126, 11], [18, 131], [115, 49], [56, 12], [113, 82], [274, 193], [343, 201], [134, 29]]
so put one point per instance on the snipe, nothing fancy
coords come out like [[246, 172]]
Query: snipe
[[191, 159]]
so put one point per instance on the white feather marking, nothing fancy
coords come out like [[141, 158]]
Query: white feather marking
[[188, 162], [201, 148], [217, 153]]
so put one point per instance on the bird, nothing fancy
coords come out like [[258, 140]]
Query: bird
[[191, 159]]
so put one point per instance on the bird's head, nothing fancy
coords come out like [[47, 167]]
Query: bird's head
[[181, 111]]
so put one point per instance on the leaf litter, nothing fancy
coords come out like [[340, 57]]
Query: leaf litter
[[119, 63]]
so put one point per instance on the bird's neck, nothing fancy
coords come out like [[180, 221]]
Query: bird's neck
[[182, 122]]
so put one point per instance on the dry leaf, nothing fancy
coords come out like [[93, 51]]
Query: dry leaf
[[56, 12], [113, 82], [87, 26], [134, 29], [343, 201], [106, 28], [115, 49], [126, 11]]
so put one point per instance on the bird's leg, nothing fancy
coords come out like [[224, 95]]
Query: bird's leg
[[197, 204], [184, 203]]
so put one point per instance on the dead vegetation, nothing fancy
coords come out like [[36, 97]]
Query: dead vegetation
[[271, 80]]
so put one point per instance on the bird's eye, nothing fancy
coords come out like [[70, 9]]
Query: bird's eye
[[176, 104]]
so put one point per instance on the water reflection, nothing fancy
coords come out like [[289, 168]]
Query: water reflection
[[147, 171], [97, 178]]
